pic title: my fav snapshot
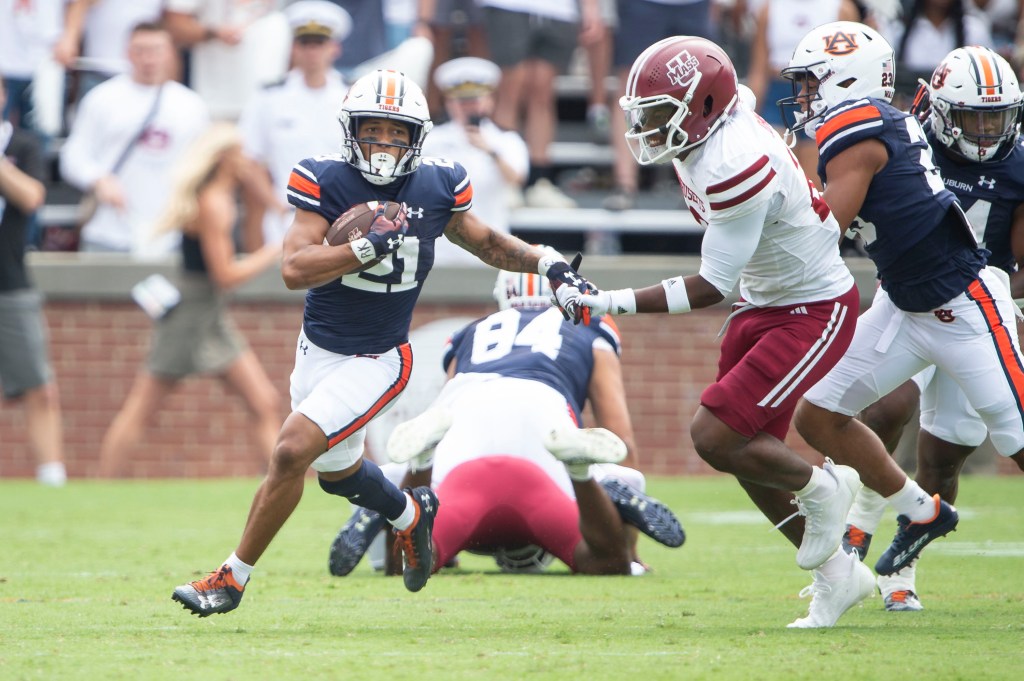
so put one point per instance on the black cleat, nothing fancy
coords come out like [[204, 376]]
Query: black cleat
[[856, 539], [417, 542], [647, 514], [217, 593], [911, 537], [353, 540]]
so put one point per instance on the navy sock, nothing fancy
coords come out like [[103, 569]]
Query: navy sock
[[368, 488]]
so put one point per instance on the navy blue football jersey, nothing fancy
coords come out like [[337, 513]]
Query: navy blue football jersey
[[369, 312], [533, 344], [989, 192], [921, 246]]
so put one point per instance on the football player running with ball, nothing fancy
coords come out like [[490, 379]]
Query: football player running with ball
[[769, 231], [973, 126], [353, 358]]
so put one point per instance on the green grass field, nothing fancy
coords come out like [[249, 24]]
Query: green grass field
[[86, 575]]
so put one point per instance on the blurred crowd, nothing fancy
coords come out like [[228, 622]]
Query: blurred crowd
[[279, 70]]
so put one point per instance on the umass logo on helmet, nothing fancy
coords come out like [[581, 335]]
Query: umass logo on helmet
[[682, 68]]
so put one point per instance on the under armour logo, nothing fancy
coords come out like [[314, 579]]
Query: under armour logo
[[986, 183], [945, 316], [394, 242], [303, 346], [414, 212], [425, 502]]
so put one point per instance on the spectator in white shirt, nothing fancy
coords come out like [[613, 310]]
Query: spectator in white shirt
[[128, 133]]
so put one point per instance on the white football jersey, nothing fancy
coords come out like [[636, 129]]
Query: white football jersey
[[793, 256]]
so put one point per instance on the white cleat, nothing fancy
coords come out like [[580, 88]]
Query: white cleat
[[826, 520], [416, 436], [830, 599], [585, 445]]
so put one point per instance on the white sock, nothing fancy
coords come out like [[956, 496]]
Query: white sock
[[240, 570], [867, 511], [403, 521], [913, 502], [821, 486], [838, 566], [51, 474], [579, 472]]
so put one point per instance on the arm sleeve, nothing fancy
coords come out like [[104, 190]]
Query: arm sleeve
[[729, 244]]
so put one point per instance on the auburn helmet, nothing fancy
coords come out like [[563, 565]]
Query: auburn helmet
[[976, 104], [678, 92], [524, 289], [848, 61], [385, 94]]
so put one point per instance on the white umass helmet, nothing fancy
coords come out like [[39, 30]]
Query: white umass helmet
[[523, 289], [385, 94], [849, 60], [976, 104]]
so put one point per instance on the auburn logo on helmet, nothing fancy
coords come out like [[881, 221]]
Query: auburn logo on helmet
[[840, 43], [682, 68], [940, 75]]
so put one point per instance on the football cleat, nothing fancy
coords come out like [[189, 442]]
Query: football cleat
[[825, 519], [830, 599], [416, 542], [353, 540], [903, 601], [912, 537], [217, 593], [647, 514], [856, 539], [585, 445], [418, 435]]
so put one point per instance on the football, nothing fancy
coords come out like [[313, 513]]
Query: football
[[355, 224]]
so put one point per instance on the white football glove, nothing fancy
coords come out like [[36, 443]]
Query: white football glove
[[620, 301]]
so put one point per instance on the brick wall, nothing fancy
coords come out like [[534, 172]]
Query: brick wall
[[203, 429]]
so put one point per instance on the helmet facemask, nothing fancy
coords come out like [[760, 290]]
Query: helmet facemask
[[382, 168], [657, 118], [804, 109], [980, 135]]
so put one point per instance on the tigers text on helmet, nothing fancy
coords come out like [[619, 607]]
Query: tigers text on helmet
[[391, 95], [679, 91], [847, 60], [976, 104]]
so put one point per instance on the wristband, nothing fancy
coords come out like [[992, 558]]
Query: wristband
[[545, 263], [675, 295], [363, 250], [622, 301]]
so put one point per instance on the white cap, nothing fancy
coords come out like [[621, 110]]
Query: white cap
[[318, 18], [467, 77]]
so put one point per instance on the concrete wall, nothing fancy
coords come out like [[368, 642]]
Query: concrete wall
[[100, 338]]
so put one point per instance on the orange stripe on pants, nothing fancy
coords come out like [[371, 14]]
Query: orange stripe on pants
[[1008, 359], [396, 388]]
